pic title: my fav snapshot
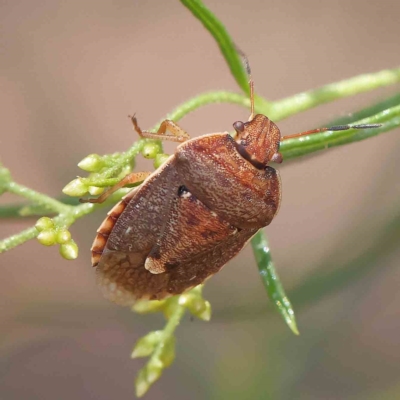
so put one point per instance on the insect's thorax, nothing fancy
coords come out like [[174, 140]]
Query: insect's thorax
[[213, 169]]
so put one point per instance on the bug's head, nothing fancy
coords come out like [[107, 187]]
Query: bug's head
[[258, 140]]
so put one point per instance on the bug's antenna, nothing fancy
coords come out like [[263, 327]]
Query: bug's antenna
[[251, 82], [332, 128]]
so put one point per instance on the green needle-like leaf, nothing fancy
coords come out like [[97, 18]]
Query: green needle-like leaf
[[271, 280], [297, 147], [368, 111], [224, 41], [227, 47]]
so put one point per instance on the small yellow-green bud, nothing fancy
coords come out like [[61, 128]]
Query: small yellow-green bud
[[92, 163], [95, 191], [146, 345], [147, 376], [63, 236], [150, 150], [205, 314], [154, 369], [196, 304], [47, 237], [44, 223], [76, 188], [160, 159], [141, 384], [147, 306], [69, 250]]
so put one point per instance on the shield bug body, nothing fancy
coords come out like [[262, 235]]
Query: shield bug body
[[192, 215]]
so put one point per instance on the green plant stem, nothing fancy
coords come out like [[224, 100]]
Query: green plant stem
[[38, 198], [375, 108], [170, 327], [125, 159], [203, 100], [64, 219], [309, 144], [349, 87], [17, 239], [292, 105], [33, 210], [156, 364]]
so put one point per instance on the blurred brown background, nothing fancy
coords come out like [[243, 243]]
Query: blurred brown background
[[70, 74]]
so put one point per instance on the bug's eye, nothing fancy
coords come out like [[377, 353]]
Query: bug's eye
[[182, 190], [238, 126]]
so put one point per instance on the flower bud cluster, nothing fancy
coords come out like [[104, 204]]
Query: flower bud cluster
[[50, 235]]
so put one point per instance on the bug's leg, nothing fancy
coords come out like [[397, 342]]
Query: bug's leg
[[130, 179], [177, 133]]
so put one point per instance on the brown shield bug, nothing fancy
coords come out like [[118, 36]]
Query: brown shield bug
[[192, 215]]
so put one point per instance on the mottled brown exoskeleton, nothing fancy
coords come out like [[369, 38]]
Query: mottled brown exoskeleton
[[192, 215]]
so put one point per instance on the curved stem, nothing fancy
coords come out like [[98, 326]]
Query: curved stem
[[303, 101], [203, 100], [66, 218], [389, 119], [40, 199], [17, 239], [169, 329]]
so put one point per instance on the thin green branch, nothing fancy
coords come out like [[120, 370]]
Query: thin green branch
[[203, 100], [40, 199], [366, 112], [17, 239], [309, 144], [64, 219], [124, 159], [303, 101], [284, 108], [33, 210], [162, 347]]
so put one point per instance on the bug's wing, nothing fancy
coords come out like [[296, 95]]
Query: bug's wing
[[191, 228], [132, 228], [193, 243], [193, 272], [135, 223], [123, 278]]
